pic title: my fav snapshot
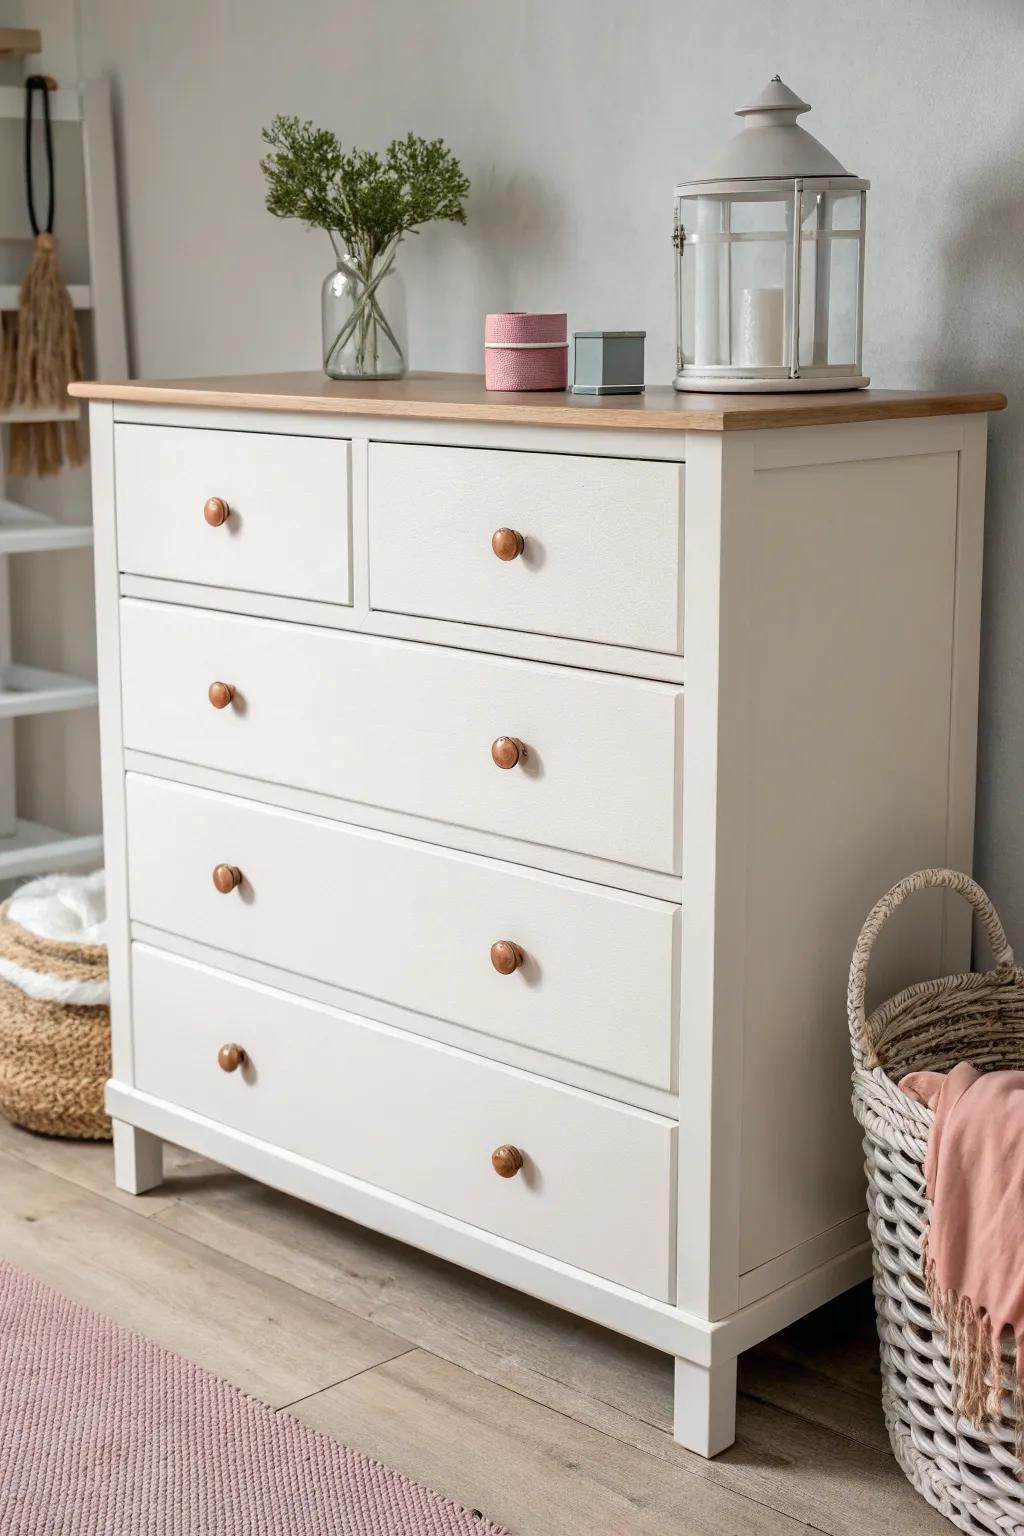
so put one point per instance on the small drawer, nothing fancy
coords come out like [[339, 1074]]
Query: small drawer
[[420, 1120], [599, 554], [248, 510], [582, 972], [413, 728]]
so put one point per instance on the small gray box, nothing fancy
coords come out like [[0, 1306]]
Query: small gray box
[[608, 362]]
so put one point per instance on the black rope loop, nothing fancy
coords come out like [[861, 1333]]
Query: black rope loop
[[33, 84]]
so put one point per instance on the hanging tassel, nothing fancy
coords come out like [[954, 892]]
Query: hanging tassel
[[8, 355], [48, 355], [42, 350]]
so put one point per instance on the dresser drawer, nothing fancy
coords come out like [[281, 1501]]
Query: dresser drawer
[[410, 727], [414, 1118], [413, 925], [287, 501], [602, 551]]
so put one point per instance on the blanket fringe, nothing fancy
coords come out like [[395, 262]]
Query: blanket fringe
[[976, 1360]]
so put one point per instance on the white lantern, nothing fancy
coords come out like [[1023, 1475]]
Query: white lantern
[[770, 260]]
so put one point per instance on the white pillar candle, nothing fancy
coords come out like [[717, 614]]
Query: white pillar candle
[[759, 335]]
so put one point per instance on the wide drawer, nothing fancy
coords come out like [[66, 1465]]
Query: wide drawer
[[410, 727], [413, 925], [602, 542], [417, 1119], [286, 499]]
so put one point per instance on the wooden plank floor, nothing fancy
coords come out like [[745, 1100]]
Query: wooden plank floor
[[547, 1423]]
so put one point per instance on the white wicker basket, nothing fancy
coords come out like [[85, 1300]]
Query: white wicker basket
[[970, 1475]]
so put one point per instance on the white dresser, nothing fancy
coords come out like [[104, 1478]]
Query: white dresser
[[493, 790]]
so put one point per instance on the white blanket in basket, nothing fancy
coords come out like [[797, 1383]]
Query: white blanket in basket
[[66, 909]]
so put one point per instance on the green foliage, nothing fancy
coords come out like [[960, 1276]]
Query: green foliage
[[366, 200]]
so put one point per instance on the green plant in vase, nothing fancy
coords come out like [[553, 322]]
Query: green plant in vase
[[367, 203]]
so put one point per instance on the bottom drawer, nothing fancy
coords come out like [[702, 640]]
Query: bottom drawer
[[413, 1117]]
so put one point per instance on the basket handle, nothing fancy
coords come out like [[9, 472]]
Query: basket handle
[[923, 880]]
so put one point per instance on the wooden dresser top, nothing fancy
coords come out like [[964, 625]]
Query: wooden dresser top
[[462, 397]]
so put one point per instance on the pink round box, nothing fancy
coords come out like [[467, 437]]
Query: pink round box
[[526, 351]]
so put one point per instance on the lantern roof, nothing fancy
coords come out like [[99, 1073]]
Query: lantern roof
[[771, 145]]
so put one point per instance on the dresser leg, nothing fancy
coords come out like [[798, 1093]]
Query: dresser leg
[[138, 1159], [705, 1406]]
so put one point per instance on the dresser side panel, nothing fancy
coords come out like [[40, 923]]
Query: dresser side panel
[[848, 790]]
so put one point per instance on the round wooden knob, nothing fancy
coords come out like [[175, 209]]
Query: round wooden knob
[[507, 1161], [226, 877], [507, 543], [220, 695], [506, 957], [507, 750], [216, 511], [230, 1058]]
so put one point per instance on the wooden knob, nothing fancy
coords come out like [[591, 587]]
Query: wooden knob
[[226, 877], [220, 695], [230, 1058], [506, 1160], [216, 511], [506, 957], [507, 543], [507, 750]]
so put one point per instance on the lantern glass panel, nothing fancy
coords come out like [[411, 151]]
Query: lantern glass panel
[[704, 309], [735, 280], [843, 301], [757, 214], [829, 279], [845, 209], [704, 281]]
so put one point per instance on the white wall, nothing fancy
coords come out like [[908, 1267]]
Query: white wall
[[574, 118]]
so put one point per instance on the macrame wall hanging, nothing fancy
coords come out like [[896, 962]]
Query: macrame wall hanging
[[42, 350]]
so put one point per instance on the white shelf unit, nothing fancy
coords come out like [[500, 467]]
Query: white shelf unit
[[10, 295], [32, 691], [27, 847], [37, 850], [25, 532], [28, 413]]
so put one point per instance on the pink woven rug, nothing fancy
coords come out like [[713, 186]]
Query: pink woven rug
[[103, 1433]]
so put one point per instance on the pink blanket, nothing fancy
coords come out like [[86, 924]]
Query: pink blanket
[[974, 1249]]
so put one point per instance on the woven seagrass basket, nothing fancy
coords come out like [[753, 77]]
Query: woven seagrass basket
[[970, 1475], [54, 1053]]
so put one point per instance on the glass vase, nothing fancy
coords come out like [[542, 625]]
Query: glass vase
[[363, 318]]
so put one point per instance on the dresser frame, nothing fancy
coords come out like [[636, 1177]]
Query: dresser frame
[[721, 1306]]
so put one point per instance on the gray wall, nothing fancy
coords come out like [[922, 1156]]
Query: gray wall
[[574, 118]]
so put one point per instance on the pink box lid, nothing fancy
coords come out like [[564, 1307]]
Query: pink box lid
[[525, 326]]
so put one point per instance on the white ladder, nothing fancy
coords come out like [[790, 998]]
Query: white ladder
[[28, 847]]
